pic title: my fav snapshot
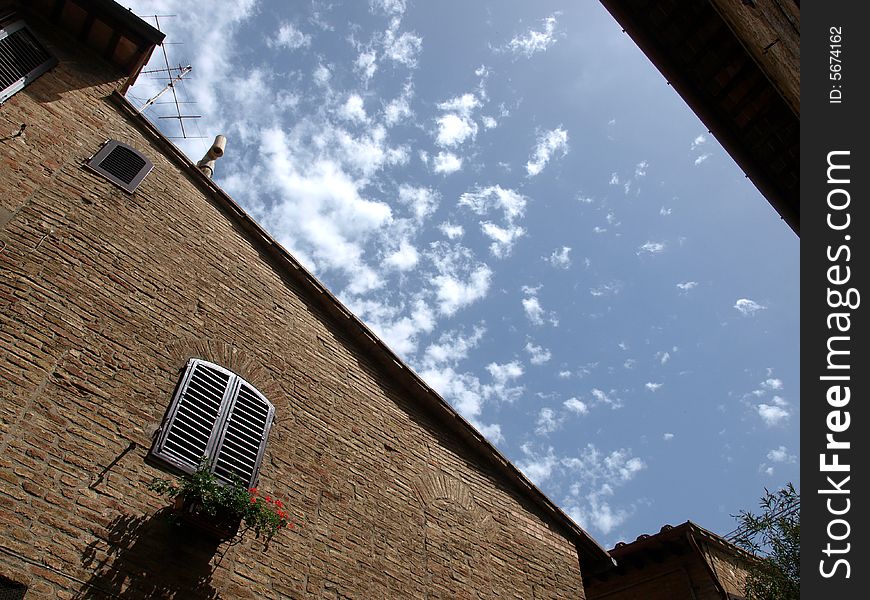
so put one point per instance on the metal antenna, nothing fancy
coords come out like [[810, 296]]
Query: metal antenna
[[171, 85]]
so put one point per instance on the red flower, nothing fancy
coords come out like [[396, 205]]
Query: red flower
[[269, 499], [253, 500], [279, 504], [253, 490]]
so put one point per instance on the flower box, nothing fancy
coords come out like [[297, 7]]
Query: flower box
[[216, 526]]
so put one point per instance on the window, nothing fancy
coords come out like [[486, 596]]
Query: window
[[22, 58], [124, 166], [217, 415]]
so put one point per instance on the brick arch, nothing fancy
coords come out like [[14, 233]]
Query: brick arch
[[250, 368]]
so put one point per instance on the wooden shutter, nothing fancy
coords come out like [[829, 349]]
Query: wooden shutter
[[243, 440], [22, 59], [192, 424]]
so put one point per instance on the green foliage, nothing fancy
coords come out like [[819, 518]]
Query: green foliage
[[774, 535], [215, 498]]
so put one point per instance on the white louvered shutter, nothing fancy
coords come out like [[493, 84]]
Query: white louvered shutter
[[240, 448], [192, 425], [22, 59]]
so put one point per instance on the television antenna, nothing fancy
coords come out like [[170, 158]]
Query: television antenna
[[171, 85]]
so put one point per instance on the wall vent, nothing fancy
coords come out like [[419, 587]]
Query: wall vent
[[121, 164], [22, 59]]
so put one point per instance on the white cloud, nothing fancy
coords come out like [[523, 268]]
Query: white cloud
[[547, 421], [454, 129], [288, 36], [651, 248], [402, 48], [653, 387], [560, 258], [353, 109], [665, 211], [538, 468], [772, 384], [446, 163], [781, 455], [640, 169], [748, 307], [687, 285], [461, 280], [701, 159], [606, 289], [773, 414], [601, 397], [512, 204], [422, 201], [701, 139], [489, 122], [576, 406], [404, 258], [533, 41], [366, 64], [668, 437], [549, 143], [533, 310], [663, 356], [452, 231], [391, 7], [502, 376], [538, 354]]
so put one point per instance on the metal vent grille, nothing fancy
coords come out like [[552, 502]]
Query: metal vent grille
[[216, 415], [245, 436], [124, 166], [196, 415], [22, 59]]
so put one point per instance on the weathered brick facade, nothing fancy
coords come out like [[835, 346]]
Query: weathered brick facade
[[104, 296]]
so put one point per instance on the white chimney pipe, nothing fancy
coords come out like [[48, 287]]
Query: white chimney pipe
[[206, 165]]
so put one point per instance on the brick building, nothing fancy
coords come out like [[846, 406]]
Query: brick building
[[135, 298], [685, 562], [736, 63]]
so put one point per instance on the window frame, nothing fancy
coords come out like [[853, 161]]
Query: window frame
[[225, 420], [10, 25]]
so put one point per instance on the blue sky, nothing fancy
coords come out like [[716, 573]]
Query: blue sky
[[517, 203]]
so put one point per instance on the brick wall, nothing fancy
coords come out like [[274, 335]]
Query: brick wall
[[103, 298]]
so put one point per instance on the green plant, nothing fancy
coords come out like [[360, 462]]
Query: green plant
[[215, 498], [774, 535]]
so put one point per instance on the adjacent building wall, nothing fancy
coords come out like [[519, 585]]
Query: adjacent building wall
[[103, 298]]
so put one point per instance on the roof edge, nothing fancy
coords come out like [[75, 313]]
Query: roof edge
[[588, 549]]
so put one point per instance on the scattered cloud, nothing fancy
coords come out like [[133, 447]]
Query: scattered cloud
[[747, 307], [560, 258], [511, 204], [653, 387], [772, 384], [533, 41], [576, 406], [602, 397], [774, 414], [288, 36], [687, 285], [781, 455], [701, 159], [701, 139], [549, 144], [446, 163], [651, 248], [547, 422], [538, 355], [668, 437]]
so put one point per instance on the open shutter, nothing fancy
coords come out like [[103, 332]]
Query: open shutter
[[192, 425], [240, 448], [22, 59]]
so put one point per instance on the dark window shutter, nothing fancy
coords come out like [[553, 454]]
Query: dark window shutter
[[191, 426], [22, 59], [124, 166], [240, 448]]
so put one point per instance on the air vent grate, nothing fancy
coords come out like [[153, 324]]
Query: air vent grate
[[122, 165]]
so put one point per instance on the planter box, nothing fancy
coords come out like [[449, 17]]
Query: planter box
[[219, 527]]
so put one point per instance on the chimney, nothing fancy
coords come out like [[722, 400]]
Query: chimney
[[206, 165]]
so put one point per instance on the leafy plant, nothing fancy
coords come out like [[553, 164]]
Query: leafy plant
[[774, 535], [259, 512]]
